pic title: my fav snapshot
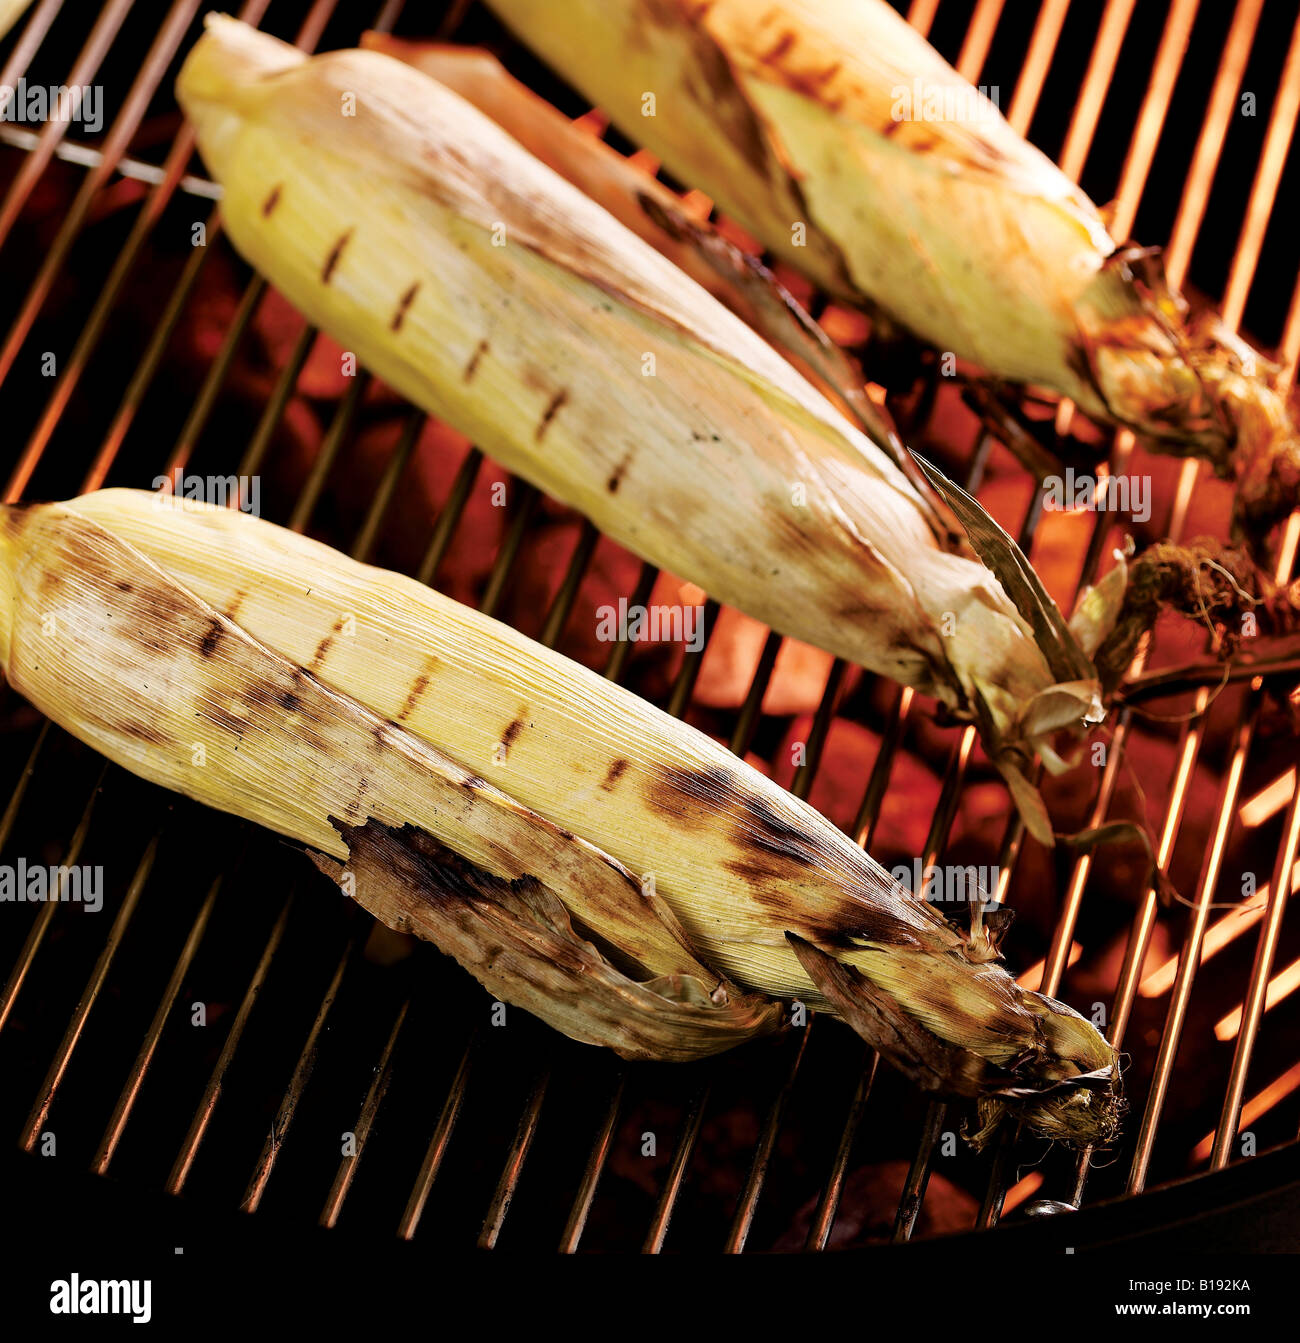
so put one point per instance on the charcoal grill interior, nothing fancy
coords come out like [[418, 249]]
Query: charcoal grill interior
[[169, 353]]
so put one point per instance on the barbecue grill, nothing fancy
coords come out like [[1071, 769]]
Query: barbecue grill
[[230, 1030]]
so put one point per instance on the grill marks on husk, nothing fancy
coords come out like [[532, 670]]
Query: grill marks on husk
[[772, 855], [771, 833], [323, 648], [551, 411], [272, 200], [285, 690], [694, 795], [332, 260], [616, 476], [418, 687], [472, 367], [513, 729], [403, 304], [236, 605], [212, 637]]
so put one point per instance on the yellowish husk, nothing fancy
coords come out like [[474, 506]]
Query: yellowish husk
[[591, 756], [848, 146], [400, 737], [490, 292]]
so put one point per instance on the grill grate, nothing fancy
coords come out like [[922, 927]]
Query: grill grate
[[518, 1136]]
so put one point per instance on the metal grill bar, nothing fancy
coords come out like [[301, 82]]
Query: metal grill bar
[[586, 1195], [41, 924], [131, 1091], [820, 1231], [119, 137], [1253, 1008], [63, 1056], [70, 151], [83, 72], [519, 1149], [1189, 960], [438, 1144], [369, 1110], [184, 1162]]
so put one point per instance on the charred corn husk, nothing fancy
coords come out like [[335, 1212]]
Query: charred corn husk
[[840, 138], [585, 855], [489, 291], [654, 213]]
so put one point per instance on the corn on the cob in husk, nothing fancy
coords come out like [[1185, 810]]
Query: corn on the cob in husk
[[489, 291], [837, 135], [585, 855], [654, 213]]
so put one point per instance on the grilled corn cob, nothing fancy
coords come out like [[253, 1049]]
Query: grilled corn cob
[[847, 145], [585, 855], [654, 213], [489, 291]]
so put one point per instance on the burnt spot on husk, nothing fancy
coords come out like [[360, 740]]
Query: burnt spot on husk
[[141, 731], [403, 304], [333, 259], [616, 476], [323, 648], [221, 717], [765, 829], [512, 731], [551, 411], [615, 772], [780, 47], [272, 200], [211, 637], [418, 687], [472, 367], [288, 697], [675, 789]]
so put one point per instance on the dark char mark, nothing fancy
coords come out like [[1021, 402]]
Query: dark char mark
[[675, 789], [550, 413], [333, 259], [211, 637], [418, 687], [766, 830], [406, 300], [472, 367], [616, 479]]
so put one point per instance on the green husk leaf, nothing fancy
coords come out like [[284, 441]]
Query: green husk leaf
[[991, 543]]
